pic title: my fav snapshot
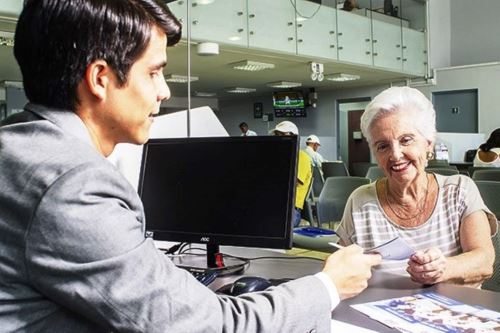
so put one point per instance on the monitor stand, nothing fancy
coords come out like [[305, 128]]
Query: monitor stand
[[214, 260]]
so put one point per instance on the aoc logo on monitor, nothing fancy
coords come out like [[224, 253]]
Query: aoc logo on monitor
[[205, 239]]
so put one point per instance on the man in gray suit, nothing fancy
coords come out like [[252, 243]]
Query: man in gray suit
[[73, 257]]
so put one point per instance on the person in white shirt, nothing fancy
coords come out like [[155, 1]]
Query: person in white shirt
[[313, 144], [245, 131]]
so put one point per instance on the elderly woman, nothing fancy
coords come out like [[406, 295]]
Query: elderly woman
[[442, 218]]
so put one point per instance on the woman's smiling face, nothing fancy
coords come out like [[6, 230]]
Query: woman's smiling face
[[400, 149]]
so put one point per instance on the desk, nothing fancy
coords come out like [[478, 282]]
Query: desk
[[381, 286]]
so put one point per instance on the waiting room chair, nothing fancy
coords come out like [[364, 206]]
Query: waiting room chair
[[473, 169], [360, 169], [374, 173], [490, 190], [438, 163], [333, 198], [490, 174], [334, 169], [317, 182], [443, 171]]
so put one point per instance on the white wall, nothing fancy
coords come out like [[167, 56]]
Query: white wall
[[439, 33], [484, 78], [475, 28]]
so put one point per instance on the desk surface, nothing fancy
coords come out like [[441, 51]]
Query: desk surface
[[381, 286]]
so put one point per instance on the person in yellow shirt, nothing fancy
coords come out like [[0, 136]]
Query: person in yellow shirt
[[304, 169]]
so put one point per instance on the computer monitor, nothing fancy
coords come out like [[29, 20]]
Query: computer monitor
[[220, 191]]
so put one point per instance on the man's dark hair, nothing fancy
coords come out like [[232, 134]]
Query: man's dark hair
[[56, 40], [492, 142], [243, 124]]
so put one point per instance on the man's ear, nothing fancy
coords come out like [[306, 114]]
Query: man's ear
[[97, 78]]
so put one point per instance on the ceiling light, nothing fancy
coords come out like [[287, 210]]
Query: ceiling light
[[204, 94], [340, 77], [175, 78], [252, 66], [283, 84], [234, 38], [301, 19], [204, 2], [240, 90], [207, 49]]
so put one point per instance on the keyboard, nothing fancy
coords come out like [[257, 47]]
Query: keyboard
[[204, 276]]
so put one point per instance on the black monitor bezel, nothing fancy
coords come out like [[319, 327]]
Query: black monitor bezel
[[284, 242]]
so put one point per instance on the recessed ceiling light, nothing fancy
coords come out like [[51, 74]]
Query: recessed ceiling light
[[252, 66], [204, 94], [239, 90], [341, 77], [301, 19], [204, 2], [175, 78], [283, 84], [234, 38]]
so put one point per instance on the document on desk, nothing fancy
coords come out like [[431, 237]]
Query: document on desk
[[340, 326], [431, 312], [395, 249]]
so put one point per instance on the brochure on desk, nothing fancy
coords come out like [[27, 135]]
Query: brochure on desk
[[431, 312]]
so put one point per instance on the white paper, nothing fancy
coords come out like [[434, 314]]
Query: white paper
[[395, 249], [204, 123]]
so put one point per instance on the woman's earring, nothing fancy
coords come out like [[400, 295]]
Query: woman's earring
[[430, 155]]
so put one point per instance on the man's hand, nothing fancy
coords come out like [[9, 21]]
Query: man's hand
[[350, 270], [427, 267]]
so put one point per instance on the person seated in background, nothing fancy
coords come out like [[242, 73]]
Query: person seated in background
[[312, 146], [488, 154], [245, 131], [304, 169], [442, 218], [349, 5]]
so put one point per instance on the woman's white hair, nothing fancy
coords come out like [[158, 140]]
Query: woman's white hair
[[404, 99]]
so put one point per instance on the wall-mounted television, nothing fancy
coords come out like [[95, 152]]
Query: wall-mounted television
[[289, 104]]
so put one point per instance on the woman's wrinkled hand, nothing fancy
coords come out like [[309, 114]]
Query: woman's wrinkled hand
[[427, 267]]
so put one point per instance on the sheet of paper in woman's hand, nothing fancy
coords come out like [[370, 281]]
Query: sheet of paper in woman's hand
[[395, 249]]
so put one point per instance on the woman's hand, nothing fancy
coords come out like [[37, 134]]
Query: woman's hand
[[427, 267]]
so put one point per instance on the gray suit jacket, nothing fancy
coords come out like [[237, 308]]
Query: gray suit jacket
[[73, 257]]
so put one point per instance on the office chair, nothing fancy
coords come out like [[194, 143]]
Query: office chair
[[334, 169], [374, 173], [490, 174], [317, 182], [360, 169], [333, 198], [489, 191], [443, 171]]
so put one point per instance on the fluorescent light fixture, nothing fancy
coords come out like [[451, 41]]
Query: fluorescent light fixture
[[252, 66], [205, 2], [283, 84], [204, 94], [240, 90], [234, 38], [175, 78], [340, 77], [301, 19]]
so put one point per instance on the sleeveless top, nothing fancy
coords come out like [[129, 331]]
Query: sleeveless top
[[489, 158], [366, 224]]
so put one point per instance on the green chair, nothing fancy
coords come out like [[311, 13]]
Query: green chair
[[490, 191], [334, 169], [333, 197], [443, 171], [374, 173], [490, 174]]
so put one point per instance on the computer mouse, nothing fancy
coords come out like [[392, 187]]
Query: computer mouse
[[248, 284]]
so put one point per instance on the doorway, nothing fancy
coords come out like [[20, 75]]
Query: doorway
[[352, 149]]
